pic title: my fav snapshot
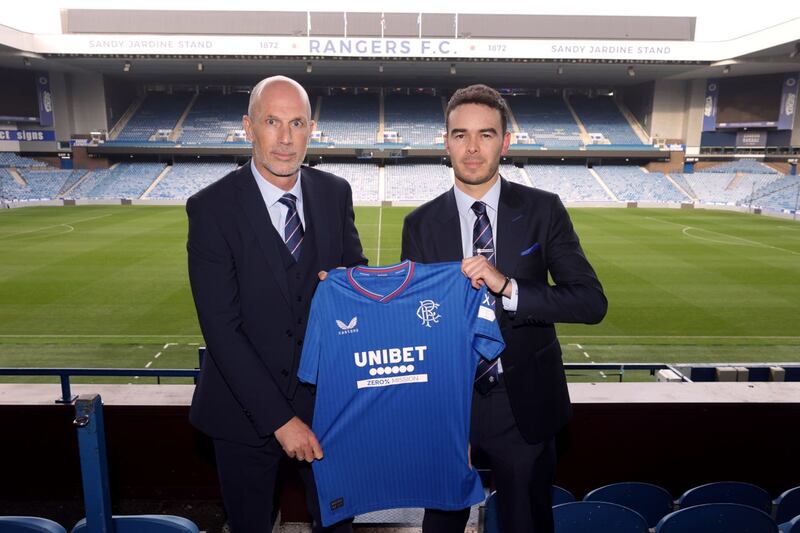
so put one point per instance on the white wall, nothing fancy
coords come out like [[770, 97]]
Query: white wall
[[695, 101], [669, 110], [88, 102]]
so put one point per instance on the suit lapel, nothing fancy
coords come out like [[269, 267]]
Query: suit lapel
[[512, 221], [315, 208], [252, 203], [447, 237]]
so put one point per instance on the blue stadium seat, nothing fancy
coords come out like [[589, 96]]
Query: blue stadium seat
[[561, 495], [28, 524], [597, 517], [717, 518], [650, 501], [787, 505], [727, 492], [145, 524], [792, 526]]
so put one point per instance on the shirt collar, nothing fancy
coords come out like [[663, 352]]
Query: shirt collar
[[270, 192], [464, 201]]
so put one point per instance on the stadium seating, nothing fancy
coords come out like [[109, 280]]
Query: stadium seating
[[10, 189], [787, 505], [573, 183], [213, 117], [8, 159], [717, 518], [601, 115], [363, 178], [29, 524], [44, 184], [349, 119], [650, 501], [145, 524], [597, 517], [512, 173], [727, 492], [778, 195], [561, 495], [416, 182], [631, 183], [125, 180], [157, 111], [416, 118], [792, 526], [747, 166], [185, 179], [546, 119]]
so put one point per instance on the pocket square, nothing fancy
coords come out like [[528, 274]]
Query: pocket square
[[530, 250]]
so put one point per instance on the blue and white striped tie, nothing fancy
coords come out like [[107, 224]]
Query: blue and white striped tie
[[292, 228], [483, 244]]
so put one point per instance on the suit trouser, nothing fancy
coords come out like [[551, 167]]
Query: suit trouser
[[247, 477], [523, 472]]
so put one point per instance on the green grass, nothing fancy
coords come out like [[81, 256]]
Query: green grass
[[106, 286]]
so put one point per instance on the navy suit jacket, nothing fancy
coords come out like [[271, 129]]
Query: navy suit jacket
[[535, 237], [242, 297]]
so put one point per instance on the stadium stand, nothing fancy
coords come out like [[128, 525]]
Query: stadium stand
[[780, 194], [158, 111], [363, 178], [349, 119], [634, 184], [185, 179], [728, 188], [601, 115], [10, 189], [418, 119], [10, 159], [573, 183], [547, 119], [416, 182], [125, 180], [213, 117], [512, 173], [748, 166], [45, 184]]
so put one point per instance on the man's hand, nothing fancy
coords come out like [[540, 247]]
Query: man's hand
[[481, 272], [298, 441]]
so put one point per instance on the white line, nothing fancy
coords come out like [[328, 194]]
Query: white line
[[586, 354], [148, 364], [748, 241], [579, 346], [157, 355], [603, 374], [53, 226], [380, 223], [194, 344]]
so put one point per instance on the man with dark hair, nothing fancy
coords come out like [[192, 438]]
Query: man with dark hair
[[258, 240], [509, 238]]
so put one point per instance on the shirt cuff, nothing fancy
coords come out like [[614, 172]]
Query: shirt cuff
[[510, 304]]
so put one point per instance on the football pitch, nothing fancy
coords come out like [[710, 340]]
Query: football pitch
[[106, 286]]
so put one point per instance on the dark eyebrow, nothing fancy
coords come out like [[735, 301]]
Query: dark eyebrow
[[302, 119], [463, 130]]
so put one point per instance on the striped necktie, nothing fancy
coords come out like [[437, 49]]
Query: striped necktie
[[483, 244], [292, 228]]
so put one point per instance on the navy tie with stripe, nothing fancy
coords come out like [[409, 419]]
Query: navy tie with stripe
[[292, 228], [483, 244]]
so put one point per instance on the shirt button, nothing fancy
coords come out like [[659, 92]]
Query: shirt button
[[284, 372], [289, 333], [299, 342]]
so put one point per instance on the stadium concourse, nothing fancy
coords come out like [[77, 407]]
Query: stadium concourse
[[695, 375]]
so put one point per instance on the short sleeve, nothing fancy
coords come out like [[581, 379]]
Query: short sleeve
[[487, 341], [312, 344]]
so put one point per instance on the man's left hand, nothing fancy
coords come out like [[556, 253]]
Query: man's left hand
[[481, 272]]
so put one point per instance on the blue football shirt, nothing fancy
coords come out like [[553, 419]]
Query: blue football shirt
[[393, 352]]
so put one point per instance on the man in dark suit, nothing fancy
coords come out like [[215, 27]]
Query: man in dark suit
[[258, 240], [510, 237]]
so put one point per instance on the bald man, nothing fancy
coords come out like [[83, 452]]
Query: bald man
[[258, 240]]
